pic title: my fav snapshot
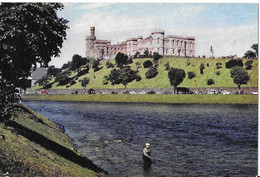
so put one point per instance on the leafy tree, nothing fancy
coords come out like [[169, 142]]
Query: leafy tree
[[218, 73], [43, 81], [84, 71], [210, 82], [255, 47], [109, 64], [66, 65], [191, 74], [77, 62], [248, 64], [127, 75], [151, 73], [136, 54], [234, 62], [84, 82], [148, 64], [156, 57], [240, 76], [63, 77], [95, 65], [138, 78], [167, 66], [30, 33], [201, 68], [122, 60], [114, 77], [250, 54], [52, 71], [218, 65], [146, 53], [138, 65], [176, 77]]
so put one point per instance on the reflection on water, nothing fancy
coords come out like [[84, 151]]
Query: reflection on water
[[197, 140]]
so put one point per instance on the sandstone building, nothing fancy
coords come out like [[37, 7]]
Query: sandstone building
[[156, 42]]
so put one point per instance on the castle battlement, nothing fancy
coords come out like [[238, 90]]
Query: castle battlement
[[156, 42]]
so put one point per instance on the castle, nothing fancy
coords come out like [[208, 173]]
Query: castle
[[170, 45]]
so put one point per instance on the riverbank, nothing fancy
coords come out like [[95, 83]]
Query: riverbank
[[187, 99], [33, 145]]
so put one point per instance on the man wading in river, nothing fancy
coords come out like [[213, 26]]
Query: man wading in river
[[147, 154]]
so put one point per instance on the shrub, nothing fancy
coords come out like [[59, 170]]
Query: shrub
[[218, 65], [72, 82], [84, 82], [218, 73], [210, 82], [201, 68], [234, 62], [138, 78], [191, 74], [151, 73], [148, 64], [167, 66], [109, 64], [248, 64]]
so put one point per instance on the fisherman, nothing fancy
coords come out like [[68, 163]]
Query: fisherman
[[147, 154]]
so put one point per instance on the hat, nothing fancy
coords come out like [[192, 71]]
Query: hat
[[147, 144]]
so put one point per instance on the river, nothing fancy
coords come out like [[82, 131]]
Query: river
[[195, 140]]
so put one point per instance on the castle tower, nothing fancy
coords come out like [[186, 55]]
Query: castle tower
[[89, 42], [158, 42], [92, 31]]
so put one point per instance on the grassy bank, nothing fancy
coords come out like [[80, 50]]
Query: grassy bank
[[26, 149], [201, 99]]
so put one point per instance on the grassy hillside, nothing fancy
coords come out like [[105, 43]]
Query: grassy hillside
[[162, 81], [21, 156]]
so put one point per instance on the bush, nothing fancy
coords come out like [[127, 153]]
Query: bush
[[218, 73], [109, 64], [167, 66], [138, 78], [84, 82], [210, 82], [248, 64], [201, 68], [191, 74], [151, 73], [218, 65], [72, 82], [234, 62], [148, 64]]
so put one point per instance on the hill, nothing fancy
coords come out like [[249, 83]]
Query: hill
[[161, 80], [32, 145]]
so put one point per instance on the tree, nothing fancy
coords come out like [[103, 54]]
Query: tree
[[240, 76], [151, 73], [167, 66], [210, 82], [63, 77], [138, 65], [201, 68], [52, 71], [65, 65], [30, 33], [248, 64], [234, 62], [114, 77], [95, 65], [77, 62], [43, 81], [250, 54], [218, 65], [176, 77], [255, 47], [24, 84], [109, 64], [84, 82], [156, 57], [136, 54], [122, 60], [191, 74], [148, 64], [146, 53], [127, 75]]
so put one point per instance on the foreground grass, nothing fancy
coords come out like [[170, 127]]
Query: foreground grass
[[201, 99], [21, 157], [162, 80]]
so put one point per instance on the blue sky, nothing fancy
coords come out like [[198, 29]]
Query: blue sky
[[231, 28]]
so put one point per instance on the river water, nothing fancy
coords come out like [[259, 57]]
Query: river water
[[195, 140]]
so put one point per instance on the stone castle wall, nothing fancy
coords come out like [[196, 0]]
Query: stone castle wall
[[156, 42]]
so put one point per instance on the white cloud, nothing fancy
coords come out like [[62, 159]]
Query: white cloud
[[117, 28]]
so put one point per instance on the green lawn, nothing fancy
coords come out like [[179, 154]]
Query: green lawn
[[162, 81], [201, 99]]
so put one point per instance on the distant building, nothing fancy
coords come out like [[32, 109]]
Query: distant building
[[37, 74], [156, 42]]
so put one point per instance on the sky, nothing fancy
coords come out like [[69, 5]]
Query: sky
[[230, 28]]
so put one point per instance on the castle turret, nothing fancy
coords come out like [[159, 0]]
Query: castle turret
[[92, 31], [158, 40], [90, 42]]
